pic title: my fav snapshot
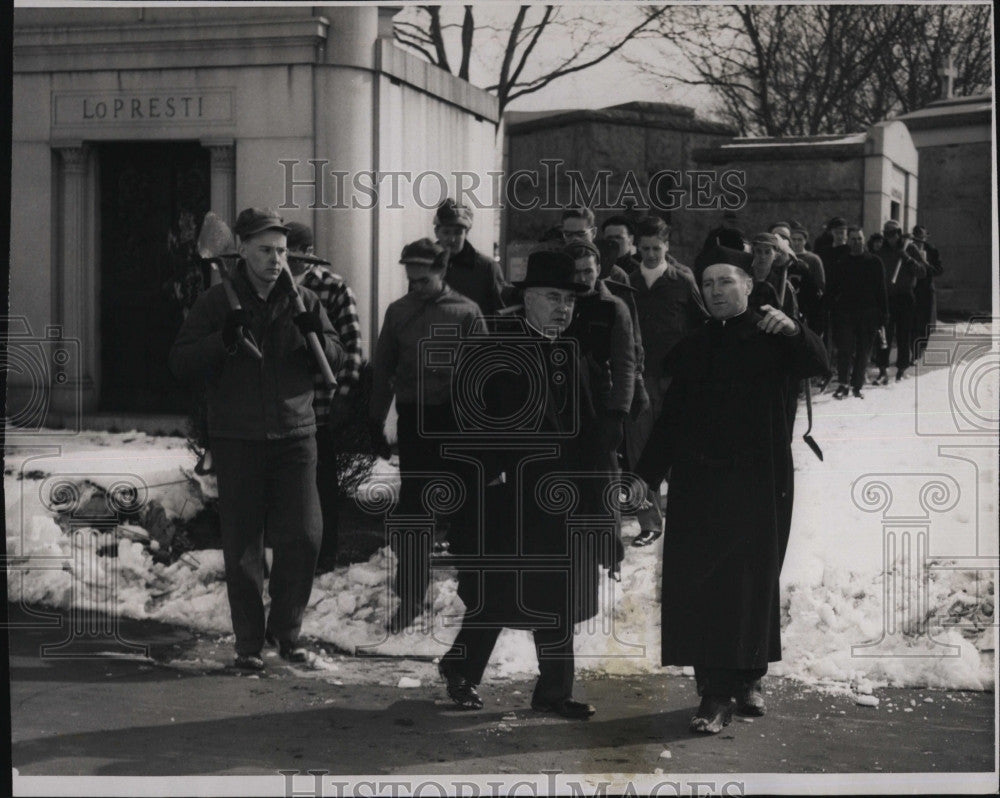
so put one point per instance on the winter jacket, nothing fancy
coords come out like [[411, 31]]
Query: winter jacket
[[251, 399]]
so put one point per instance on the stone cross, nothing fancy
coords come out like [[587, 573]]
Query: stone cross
[[948, 73]]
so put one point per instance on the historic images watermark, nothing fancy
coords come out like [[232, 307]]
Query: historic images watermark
[[313, 184], [320, 784], [965, 416], [37, 366]]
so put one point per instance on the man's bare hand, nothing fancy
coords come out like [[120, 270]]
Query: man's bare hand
[[775, 322]]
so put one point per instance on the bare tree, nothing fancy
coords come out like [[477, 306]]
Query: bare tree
[[810, 69], [519, 52]]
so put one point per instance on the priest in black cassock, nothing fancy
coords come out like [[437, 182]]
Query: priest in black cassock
[[723, 437]]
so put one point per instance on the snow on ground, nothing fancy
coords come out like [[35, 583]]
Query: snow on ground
[[834, 597]]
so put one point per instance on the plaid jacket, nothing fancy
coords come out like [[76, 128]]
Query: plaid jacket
[[338, 301]]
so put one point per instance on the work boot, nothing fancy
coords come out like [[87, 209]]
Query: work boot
[[841, 392], [249, 662], [714, 714], [750, 701], [900, 373], [882, 378]]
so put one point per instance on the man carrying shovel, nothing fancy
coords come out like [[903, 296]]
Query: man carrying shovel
[[261, 429]]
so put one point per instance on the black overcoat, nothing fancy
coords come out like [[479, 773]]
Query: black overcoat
[[723, 435], [523, 560]]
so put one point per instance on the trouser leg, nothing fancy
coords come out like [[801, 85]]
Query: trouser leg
[[328, 486], [845, 349], [725, 682], [554, 648], [295, 524], [863, 337], [470, 653], [240, 469], [904, 331]]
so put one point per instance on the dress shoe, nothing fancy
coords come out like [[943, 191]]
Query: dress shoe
[[567, 707], [750, 701], [460, 690], [856, 393], [841, 392], [249, 662], [882, 378], [293, 653], [900, 373], [714, 714], [646, 537]]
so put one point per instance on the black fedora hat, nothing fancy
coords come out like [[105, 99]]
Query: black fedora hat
[[551, 269]]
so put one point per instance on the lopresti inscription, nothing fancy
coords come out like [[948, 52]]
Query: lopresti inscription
[[72, 109]]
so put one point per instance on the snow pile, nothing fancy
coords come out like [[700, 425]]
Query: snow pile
[[933, 625]]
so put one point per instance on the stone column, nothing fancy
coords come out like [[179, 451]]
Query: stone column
[[223, 177], [74, 383]]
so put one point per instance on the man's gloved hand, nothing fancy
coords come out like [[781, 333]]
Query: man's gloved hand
[[640, 401], [230, 329], [308, 322]]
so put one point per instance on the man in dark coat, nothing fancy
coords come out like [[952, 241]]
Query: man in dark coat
[[668, 306], [470, 272], [903, 265], [859, 309], [722, 435], [925, 295], [519, 565]]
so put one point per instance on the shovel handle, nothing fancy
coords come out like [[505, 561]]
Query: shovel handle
[[245, 342], [312, 339]]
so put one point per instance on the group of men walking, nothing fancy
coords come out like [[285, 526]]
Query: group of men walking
[[608, 353]]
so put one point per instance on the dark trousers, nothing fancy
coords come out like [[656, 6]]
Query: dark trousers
[[419, 458], [900, 329], [924, 315], [470, 654], [268, 485], [725, 682], [328, 486], [854, 343]]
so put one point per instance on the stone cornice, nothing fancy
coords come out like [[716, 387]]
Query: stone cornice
[[204, 44]]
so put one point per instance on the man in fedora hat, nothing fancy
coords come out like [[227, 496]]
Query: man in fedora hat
[[723, 437], [261, 428], [521, 568], [422, 391]]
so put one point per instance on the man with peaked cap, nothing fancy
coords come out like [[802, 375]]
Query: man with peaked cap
[[331, 407], [557, 584], [261, 428], [470, 273], [423, 395], [812, 304], [668, 306], [722, 436]]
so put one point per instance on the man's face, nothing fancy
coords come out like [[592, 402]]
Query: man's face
[[782, 231], [549, 310], [585, 271], [576, 229], [839, 236], [265, 254], [451, 237], [763, 260], [653, 251], [892, 236], [620, 235], [856, 242], [798, 242], [726, 290], [424, 280]]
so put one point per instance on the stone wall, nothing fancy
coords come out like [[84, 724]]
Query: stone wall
[[955, 208]]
